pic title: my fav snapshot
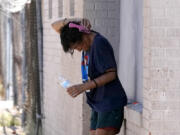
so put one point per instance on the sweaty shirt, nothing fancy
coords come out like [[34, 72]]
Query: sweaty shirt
[[101, 58]]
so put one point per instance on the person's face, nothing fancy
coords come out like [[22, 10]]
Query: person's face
[[80, 47], [83, 46]]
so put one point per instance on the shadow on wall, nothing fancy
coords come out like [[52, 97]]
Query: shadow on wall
[[130, 51]]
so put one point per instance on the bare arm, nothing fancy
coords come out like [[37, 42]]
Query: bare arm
[[57, 25], [109, 76]]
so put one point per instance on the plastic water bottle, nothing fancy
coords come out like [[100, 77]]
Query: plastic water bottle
[[64, 82]]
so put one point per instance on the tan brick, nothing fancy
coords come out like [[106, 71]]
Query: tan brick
[[157, 32], [156, 125], [157, 12]]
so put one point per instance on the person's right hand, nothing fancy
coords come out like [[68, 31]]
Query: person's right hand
[[75, 90], [85, 22], [57, 25]]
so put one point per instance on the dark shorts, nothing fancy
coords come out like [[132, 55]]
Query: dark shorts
[[111, 120]]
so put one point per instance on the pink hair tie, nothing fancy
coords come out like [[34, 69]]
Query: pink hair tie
[[80, 27]]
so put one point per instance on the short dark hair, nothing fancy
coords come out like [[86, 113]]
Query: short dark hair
[[70, 36]]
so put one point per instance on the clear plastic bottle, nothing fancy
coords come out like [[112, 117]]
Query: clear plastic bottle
[[64, 82]]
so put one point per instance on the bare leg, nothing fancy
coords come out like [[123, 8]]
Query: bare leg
[[104, 132], [92, 132]]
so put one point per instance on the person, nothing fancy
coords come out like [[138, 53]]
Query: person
[[106, 95]]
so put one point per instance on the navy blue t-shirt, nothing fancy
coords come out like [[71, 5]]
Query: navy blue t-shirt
[[111, 95]]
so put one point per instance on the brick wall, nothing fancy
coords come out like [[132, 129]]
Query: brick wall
[[161, 75], [63, 115], [161, 67]]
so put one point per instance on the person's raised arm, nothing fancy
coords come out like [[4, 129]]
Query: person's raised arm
[[57, 25]]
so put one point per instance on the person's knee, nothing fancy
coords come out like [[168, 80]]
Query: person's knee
[[104, 132], [92, 132]]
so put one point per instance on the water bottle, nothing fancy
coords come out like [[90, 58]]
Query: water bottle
[[64, 82]]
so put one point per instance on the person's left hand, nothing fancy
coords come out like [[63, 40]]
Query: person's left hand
[[75, 90]]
